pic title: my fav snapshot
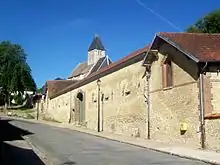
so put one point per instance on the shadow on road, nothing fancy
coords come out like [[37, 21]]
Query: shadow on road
[[14, 150]]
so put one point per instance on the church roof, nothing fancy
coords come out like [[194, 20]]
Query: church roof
[[102, 62], [134, 57], [83, 68], [96, 44]]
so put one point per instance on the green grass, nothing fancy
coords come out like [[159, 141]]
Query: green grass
[[26, 114], [50, 119]]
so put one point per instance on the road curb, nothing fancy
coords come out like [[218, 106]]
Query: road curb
[[152, 149], [122, 141], [38, 152]]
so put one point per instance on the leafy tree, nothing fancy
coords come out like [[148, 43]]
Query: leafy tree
[[1, 99], [208, 24], [40, 90], [18, 99], [15, 73]]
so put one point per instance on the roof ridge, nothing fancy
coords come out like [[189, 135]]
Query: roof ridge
[[58, 80], [105, 58], [187, 33], [74, 69], [200, 46], [110, 66], [109, 59]]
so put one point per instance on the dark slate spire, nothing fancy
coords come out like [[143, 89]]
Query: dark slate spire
[[96, 44]]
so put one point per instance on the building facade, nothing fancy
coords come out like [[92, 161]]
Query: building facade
[[168, 91]]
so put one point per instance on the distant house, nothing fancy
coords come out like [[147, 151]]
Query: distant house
[[24, 95]]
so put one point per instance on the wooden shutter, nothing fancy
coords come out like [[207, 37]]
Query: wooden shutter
[[169, 74], [76, 102]]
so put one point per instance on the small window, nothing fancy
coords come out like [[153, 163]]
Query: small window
[[167, 74]]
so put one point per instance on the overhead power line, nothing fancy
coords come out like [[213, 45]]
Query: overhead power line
[[158, 15]]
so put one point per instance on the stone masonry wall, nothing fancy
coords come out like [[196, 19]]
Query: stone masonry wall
[[215, 90], [213, 125], [59, 108], [123, 108], [213, 134], [176, 105], [123, 105]]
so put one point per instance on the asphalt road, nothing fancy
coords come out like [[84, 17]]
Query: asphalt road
[[67, 147]]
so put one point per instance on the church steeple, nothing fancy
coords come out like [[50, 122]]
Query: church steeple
[[96, 50], [96, 44]]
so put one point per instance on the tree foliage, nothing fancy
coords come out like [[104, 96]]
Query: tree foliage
[[40, 90], [208, 24], [15, 73]]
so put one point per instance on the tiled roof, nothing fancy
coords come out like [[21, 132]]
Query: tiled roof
[[126, 58], [110, 68], [83, 68], [54, 86], [98, 64], [204, 47], [80, 69]]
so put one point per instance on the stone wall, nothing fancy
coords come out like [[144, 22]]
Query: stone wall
[[173, 106], [123, 105], [59, 108], [215, 91], [213, 134], [213, 125], [124, 110]]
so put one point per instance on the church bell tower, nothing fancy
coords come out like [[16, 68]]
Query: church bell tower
[[96, 51]]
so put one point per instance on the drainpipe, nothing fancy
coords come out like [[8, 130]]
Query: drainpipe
[[202, 108], [148, 102], [102, 100], [98, 84]]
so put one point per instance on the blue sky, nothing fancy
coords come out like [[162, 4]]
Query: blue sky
[[56, 34]]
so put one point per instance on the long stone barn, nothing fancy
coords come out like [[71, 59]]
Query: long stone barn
[[168, 91]]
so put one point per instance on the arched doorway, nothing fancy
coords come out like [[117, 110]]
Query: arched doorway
[[80, 108]]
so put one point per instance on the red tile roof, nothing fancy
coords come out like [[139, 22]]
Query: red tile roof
[[54, 86], [103, 70], [126, 58], [205, 47]]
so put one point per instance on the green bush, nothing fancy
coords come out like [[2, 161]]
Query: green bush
[[29, 116], [18, 99], [50, 119]]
